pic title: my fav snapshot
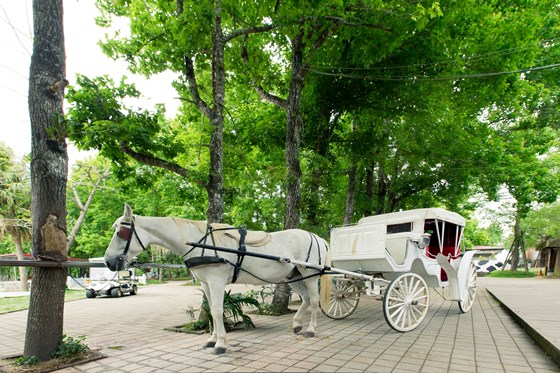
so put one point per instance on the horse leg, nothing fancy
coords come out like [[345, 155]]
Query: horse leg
[[211, 342], [216, 289], [314, 297], [299, 288]]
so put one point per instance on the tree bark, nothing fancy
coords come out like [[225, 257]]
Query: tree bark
[[215, 185], [294, 125], [215, 189], [350, 195], [351, 191], [49, 170], [368, 211]]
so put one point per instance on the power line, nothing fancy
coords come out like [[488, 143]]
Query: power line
[[449, 61], [417, 78], [15, 30], [14, 71]]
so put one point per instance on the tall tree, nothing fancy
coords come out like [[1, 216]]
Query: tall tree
[[49, 170], [189, 38]]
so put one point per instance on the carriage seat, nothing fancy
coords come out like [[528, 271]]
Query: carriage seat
[[448, 251], [253, 238]]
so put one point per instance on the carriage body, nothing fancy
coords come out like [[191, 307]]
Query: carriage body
[[419, 248], [398, 242]]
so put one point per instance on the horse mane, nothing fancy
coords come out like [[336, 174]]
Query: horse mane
[[202, 226]]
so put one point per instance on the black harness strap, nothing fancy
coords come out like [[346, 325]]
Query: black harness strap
[[240, 257], [216, 259], [204, 260]]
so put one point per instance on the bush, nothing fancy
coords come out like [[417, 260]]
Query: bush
[[70, 347], [233, 312]]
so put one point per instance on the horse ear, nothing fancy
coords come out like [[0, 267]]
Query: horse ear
[[127, 212]]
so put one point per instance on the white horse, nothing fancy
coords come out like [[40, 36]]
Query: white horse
[[215, 270]]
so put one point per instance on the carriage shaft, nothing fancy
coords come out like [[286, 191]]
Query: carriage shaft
[[318, 267]]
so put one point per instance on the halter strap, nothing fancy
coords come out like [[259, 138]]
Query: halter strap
[[129, 239]]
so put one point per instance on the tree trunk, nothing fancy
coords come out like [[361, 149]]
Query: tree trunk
[[22, 270], [381, 189], [350, 195], [515, 247], [294, 125], [215, 189], [49, 171], [368, 211], [351, 191]]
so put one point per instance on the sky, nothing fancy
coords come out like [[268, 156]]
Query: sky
[[83, 56]]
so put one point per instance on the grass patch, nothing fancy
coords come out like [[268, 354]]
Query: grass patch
[[521, 273], [13, 304]]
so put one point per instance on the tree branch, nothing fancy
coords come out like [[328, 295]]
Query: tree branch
[[247, 31], [153, 161], [278, 101], [193, 88]]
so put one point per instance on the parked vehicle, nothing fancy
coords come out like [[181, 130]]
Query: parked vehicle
[[109, 283]]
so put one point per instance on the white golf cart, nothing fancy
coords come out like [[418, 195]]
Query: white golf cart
[[109, 283]]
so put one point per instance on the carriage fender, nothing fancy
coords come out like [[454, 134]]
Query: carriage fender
[[457, 277]]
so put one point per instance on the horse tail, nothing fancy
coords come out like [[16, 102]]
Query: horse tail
[[325, 283]]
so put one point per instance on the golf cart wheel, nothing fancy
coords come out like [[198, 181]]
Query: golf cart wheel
[[465, 304], [134, 290], [405, 302], [91, 293], [344, 298], [116, 293]]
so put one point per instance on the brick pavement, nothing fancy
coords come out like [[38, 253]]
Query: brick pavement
[[130, 332]]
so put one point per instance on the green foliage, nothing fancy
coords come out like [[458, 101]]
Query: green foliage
[[70, 347], [26, 361], [397, 91], [233, 312], [542, 223]]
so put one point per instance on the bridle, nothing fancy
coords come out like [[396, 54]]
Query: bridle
[[126, 232]]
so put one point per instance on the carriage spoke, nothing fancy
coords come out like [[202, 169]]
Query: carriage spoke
[[406, 301], [345, 296]]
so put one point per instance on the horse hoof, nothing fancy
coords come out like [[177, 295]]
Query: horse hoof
[[219, 350], [297, 329], [309, 334], [209, 344]]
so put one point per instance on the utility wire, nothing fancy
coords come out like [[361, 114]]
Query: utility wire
[[417, 78], [15, 30]]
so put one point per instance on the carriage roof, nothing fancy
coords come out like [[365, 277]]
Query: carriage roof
[[415, 215]]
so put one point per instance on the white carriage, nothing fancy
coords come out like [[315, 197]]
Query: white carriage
[[400, 256]]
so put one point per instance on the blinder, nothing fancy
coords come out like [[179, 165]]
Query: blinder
[[124, 232]]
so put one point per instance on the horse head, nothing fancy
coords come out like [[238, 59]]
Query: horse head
[[125, 243]]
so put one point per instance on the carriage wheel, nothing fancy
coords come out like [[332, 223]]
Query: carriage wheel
[[405, 302], [345, 296], [465, 305]]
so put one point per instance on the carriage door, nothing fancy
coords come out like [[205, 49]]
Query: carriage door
[[396, 241]]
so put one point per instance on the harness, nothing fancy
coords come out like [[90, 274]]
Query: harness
[[241, 250], [126, 232], [216, 259]]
